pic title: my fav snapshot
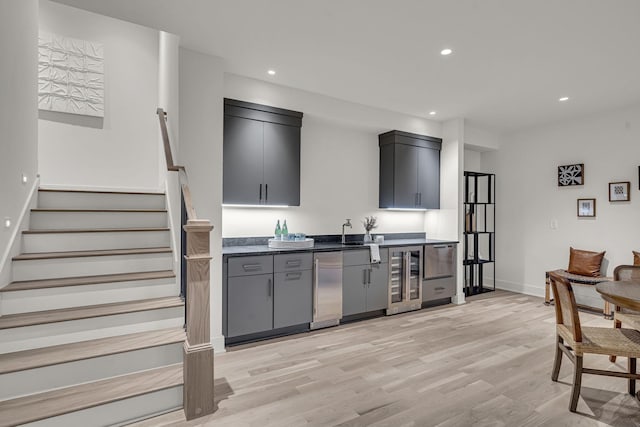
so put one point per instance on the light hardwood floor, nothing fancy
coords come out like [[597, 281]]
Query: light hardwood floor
[[485, 363]]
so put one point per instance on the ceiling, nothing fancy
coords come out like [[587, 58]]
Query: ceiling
[[512, 59]]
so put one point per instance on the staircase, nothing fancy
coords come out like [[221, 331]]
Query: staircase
[[91, 331]]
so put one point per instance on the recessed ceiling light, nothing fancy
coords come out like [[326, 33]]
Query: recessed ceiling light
[[271, 72], [564, 98], [446, 52], [432, 113]]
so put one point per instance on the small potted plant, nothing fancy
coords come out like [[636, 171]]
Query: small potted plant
[[369, 224]]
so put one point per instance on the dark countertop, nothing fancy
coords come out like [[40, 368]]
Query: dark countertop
[[325, 247]]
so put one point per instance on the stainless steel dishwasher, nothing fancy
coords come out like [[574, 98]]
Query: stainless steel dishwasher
[[327, 289]]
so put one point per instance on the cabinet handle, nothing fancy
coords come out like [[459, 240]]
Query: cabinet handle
[[441, 246], [364, 277], [315, 287], [270, 287], [416, 199], [439, 288], [260, 192], [266, 192], [293, 276], [251, 267], [369, 277], [294, 263], [419, 199]]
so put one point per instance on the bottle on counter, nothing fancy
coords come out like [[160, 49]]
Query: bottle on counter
[[278, 232], [285, 231]]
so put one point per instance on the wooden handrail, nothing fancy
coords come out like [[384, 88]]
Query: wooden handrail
[[198, 351], [172, 167]]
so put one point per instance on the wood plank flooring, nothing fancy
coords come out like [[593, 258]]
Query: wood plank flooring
[[485, 363]]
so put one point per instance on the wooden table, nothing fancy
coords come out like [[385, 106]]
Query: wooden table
[[625, 294]]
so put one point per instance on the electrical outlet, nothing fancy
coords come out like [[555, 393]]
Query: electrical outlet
[[554, 224]]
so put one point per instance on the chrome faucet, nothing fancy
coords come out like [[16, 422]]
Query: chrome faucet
[[346, 224]]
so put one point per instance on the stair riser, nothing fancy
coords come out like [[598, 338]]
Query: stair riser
[[75, 200], [118, 413], [88, 220], [90, 266], [21, 383], [59, 242], [38, 336], [78, 296]]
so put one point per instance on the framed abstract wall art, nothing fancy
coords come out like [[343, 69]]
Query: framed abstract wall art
[[569, 175], [619, 191]]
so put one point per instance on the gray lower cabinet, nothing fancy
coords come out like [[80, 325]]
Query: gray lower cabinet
[[249, 304], [378, 287], [365, 286], [267, 292], [354, 299], [436, 289], [293, 295]]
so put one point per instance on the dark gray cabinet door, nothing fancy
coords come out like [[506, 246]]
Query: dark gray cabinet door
[[378, 287], [281, 164], [405, 185], [249, 304], [354, 290], [428, 178], [243, 161], [293, 298]]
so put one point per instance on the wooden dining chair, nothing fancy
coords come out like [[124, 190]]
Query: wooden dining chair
[[630, 318], [576, 341]]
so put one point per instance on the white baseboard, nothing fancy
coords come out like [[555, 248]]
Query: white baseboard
[[521, 288], [100, 188], [13, 247], [218, 344]]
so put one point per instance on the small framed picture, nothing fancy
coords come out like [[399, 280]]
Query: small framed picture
[[569, 175], [619, 191], [586, 207]]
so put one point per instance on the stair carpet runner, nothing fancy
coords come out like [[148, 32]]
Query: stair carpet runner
[[91, 326]]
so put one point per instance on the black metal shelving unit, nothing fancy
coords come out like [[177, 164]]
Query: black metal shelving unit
[[479, 233]]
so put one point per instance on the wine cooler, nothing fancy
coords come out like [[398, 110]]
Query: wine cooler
[[405, 279]]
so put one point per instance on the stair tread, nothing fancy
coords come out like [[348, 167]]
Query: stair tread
[[46, 356], [92, 253], [95, 230], [86, 280], [86, 312], [63, 190], [99, 210], [61, 401]]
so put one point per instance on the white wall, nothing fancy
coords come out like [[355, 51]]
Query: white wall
[[18, 116], [445, 223], [472, 160], [121, 150], [528, 198], [201, 124], [339, 164]]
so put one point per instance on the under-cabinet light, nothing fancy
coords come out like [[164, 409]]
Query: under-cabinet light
[[432, 113], [226, 205], [406, 209], [445, 52], [271, 72], [564, 98]]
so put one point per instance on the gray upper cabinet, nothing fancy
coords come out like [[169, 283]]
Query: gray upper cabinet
[[409, 170], [261, 154]]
